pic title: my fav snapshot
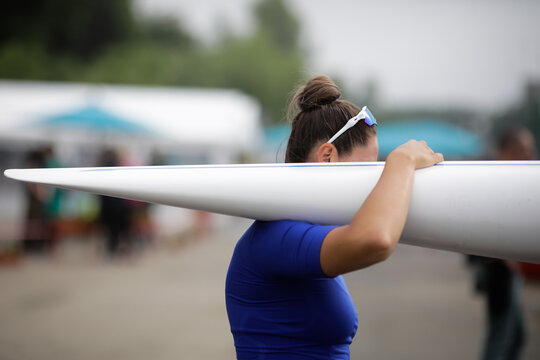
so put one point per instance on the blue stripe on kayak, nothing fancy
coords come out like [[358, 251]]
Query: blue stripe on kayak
[[536, 163], [305, 165], [226, 167]]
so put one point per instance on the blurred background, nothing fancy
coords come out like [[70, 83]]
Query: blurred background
[[158, 82]]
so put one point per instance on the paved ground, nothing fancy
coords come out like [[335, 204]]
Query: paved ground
[[169, 304]]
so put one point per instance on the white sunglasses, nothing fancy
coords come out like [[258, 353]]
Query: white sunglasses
[[364, 114]]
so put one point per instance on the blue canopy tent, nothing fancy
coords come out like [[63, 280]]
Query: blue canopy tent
[[94, 119], [453, 141], [450, 140]]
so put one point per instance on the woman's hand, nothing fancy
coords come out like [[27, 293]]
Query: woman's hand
[[417, 153]]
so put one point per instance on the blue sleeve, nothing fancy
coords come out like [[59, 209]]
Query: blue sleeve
[[289, 248]]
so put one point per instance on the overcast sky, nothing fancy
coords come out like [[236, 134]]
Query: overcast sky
[[432, 52]]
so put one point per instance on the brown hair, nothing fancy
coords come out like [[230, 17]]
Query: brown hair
[[321, 114]]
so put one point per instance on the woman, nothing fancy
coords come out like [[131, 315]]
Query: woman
[[285, 295]]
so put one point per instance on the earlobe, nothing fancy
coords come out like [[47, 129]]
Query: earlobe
[[327, 153]]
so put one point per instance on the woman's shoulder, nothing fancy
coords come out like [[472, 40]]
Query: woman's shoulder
[[280, 226], [286, 229], [261, 231]]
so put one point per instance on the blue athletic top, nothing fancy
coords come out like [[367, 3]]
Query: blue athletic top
[[280, 303]]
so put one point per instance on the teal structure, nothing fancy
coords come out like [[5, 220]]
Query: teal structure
[[93, 118], [454, 142]]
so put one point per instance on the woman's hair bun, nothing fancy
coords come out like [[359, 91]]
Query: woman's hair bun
[[319, 90]]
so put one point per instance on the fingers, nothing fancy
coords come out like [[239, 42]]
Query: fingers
[[419, 153], [437, 157], [424, 155]]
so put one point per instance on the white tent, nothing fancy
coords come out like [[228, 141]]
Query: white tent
[[220, 122]]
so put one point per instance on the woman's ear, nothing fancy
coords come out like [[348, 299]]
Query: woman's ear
[[327, 153]]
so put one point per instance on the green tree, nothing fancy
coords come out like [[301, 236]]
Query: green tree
[[81, 28], [275, 20], [260, 69], [165, 31]]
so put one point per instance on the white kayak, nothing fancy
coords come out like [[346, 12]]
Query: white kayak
[[485, 208]]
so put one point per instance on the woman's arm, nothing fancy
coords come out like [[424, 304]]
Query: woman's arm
[[377, 226]]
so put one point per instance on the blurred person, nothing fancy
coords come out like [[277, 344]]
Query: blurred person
[[53, 201], [516, 143], [499, 281], [285, 296], [141, 225], [115, 214], [37, 231]]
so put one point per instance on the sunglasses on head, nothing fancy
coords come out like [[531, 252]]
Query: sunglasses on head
[[364, 114]]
